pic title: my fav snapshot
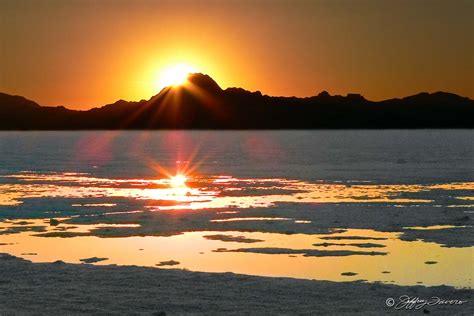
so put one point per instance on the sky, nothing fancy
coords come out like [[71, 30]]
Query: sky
[[88, 53]]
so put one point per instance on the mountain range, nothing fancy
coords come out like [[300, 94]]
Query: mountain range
[[202, 104]]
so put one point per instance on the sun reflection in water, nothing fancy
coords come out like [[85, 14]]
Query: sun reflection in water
[[206, 192], [295, 255], [178, 181]]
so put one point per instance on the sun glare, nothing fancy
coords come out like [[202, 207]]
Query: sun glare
[[175, 75], [178, 181]]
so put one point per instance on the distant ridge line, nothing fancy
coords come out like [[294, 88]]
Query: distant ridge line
[[202, 104]]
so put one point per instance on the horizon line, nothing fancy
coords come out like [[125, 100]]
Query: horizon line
[[348, 94]]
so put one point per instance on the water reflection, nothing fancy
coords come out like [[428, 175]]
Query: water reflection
[[199, 192], [401, 262], [243, 219], [85, 205]]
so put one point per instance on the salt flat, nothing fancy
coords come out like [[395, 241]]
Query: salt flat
[[59, 288]]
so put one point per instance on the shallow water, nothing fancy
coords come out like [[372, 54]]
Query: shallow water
[[273, 203], [383, 256]]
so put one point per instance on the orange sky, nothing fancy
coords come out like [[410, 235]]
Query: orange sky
[[85, 53]]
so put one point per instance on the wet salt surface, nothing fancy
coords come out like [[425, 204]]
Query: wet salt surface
[[311, 205], [267, 254], [131, 207]]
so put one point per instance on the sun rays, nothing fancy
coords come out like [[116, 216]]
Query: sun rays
[[178, 181], [175, 75]]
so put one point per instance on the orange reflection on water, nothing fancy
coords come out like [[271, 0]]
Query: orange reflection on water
[[243, 219], [404, 262], [208, 192], [434, 227]]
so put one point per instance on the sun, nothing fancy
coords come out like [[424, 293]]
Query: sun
[[175, 75], [178, 181]]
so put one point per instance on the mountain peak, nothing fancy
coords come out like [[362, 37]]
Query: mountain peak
[[438, 97], [18, 101], [204, 82], [323, 94]]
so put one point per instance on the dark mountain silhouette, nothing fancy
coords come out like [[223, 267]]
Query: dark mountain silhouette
[[202, 104]]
